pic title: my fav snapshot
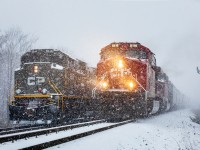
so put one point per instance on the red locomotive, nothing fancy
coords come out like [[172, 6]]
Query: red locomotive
[[130, 83]]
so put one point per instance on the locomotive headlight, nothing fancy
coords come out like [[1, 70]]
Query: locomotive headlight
[[18, 91], [120, 64], [131, 85], [104, 84], [35, 69], [44, 91]]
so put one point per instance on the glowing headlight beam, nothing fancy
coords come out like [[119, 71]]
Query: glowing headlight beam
[[104, 84], [120, 64], [131, 85]]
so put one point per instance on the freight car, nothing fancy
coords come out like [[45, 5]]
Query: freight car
[[52, 85], [129, 83]]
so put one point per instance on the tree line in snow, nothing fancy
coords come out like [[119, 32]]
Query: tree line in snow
[[13, 43]]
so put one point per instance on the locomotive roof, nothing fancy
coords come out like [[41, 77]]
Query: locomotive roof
[[43, 50], [125, 46], [49, 51], [48, 55]]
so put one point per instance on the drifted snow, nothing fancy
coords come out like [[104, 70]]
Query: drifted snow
[[170, 131], [56, 66]]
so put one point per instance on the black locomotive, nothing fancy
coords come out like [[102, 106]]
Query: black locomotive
[[50, 84]]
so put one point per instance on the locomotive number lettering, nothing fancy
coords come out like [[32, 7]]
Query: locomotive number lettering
[[35, 80]]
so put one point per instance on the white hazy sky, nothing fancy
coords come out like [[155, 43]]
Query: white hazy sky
[[170, 28]]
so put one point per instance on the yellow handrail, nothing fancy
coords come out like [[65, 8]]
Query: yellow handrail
[[54, 87]]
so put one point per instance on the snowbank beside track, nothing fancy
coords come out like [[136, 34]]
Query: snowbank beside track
[[170, 131]]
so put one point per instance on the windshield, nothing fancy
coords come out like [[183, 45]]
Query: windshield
[[111, 54], [140, 54]]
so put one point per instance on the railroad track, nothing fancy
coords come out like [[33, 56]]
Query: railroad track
[[4, 131], [21, 129], [74, 137], [26, 134], [10, 129]]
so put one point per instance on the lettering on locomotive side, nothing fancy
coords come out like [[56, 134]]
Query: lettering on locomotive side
[[35, 80]]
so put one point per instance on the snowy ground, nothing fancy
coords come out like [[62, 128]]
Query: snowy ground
[[170, 131]]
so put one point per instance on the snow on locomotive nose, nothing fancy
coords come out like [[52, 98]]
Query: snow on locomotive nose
[[124, 66], [118, 77]]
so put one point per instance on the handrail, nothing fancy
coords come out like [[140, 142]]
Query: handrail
[[138, 83], [94, 89], [54, 87], [58, 92], [140, 86]]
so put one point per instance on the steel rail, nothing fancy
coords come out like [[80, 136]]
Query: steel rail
[[17, 136], [14, 130], [4, 131], [74, 137]]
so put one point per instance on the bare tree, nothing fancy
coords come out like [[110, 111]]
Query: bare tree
[[198, 71], [13, 43]]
